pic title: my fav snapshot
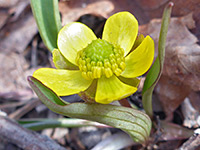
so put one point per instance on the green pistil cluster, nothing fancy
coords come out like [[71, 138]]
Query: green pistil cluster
[[100, 58]]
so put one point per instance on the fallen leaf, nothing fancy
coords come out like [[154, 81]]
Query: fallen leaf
[[171, 94], [73, 10]]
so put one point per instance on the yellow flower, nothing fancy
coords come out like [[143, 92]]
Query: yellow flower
[[101, 70]]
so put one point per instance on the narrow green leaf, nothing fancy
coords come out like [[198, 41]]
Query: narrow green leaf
[[136, 123], [40, 124], [47, 16], [156, 69]]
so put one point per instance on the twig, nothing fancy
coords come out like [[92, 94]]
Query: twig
[[192, 144], [11, 105], [11, 132], [34, 53], [22, 111]]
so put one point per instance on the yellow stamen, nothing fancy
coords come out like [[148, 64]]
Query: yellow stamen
[[100, 58]]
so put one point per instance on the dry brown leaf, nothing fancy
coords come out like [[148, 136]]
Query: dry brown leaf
[[195, 100], [181, 72], [171, 94], [183, 54], [73, 10]]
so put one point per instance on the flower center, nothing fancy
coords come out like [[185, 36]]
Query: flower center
[[100, 58]]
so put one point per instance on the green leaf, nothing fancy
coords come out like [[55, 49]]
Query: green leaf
[[136, 123], [156, 69], [40, 124], [47, 16]]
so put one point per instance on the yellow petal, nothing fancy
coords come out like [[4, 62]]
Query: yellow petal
[[72, 38], [62, 82], [110, 89], [121, 29], [61, 62], [140, 60]]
